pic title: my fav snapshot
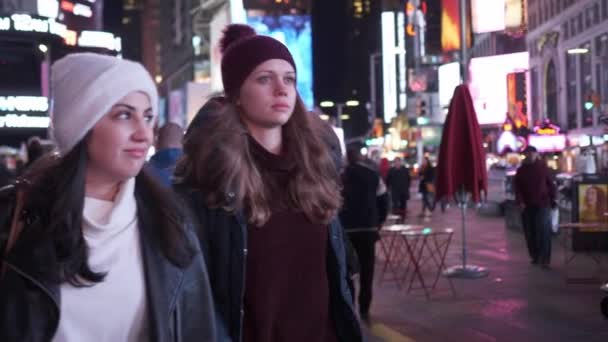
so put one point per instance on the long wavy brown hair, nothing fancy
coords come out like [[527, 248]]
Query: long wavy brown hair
[[218, 161]]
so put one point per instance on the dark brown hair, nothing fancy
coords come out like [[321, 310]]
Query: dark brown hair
[[218, 161], [56, 191]]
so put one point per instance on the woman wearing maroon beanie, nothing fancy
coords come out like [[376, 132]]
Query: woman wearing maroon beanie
[[267, 193]]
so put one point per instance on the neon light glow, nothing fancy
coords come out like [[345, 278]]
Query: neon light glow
[[24, 121], [388, 66], [24, 103], [548, 143]]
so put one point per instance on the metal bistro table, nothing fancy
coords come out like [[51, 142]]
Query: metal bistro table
[[393, 251], [426, 246]]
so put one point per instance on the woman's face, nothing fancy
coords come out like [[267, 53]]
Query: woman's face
[[268, 95], [591, 196], [119, 142]]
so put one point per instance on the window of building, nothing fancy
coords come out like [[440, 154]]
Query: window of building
[[572, 27], [534, 94], [586, 82], [571, 98], [588, 17], [565, 30], [605, 9], [551, 97], [596, 13], [580, 23], [601, 46]]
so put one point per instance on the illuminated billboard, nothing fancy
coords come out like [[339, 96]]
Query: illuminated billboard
[[450, 25], [515, 14], [389, 66], [488, 84], [488, 15], [295, 32], [449, 78]]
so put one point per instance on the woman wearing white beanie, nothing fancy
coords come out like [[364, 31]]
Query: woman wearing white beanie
[[102, 251]]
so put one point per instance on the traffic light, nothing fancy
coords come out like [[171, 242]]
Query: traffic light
[[422, 108], [591, 100], [588, 102]]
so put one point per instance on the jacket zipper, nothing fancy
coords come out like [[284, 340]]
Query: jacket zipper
[[243, 225]]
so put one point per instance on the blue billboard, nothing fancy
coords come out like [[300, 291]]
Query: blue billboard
[[294, 31]]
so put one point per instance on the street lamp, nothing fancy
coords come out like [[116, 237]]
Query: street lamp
[[339, 107]]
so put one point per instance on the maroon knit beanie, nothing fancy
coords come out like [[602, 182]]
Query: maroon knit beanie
[[243, 50]]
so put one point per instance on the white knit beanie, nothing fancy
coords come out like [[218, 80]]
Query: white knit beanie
[[84, 88]]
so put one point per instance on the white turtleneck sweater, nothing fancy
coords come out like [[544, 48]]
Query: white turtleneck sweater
[[115, 309]]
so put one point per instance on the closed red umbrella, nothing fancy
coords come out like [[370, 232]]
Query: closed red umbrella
[[461, 161], [461, 167]]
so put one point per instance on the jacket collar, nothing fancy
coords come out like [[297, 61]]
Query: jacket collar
[[163, 278]]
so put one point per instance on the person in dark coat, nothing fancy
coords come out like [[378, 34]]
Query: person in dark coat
[[168, 151], [362, 216], [398, 184], [266, 193], [427, 187], [105, 252], [535, 192]]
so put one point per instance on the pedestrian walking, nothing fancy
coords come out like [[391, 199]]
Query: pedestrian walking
[[535, 192], [398, 182], [266, 193], [93, 248], [362, 215], [427, 187]]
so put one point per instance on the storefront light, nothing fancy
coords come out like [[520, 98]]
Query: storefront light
[[577, 51]]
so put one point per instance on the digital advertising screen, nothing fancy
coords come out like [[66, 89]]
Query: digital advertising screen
[[295, 32], [450, 25], [488, 15], [488, 84]]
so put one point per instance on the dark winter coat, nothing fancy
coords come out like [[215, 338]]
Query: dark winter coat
[[179, 299], [398, 182], [224, 239], [361, 198]]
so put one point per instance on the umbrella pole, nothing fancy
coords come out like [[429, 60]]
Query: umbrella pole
[[464, 271], [463, 208]]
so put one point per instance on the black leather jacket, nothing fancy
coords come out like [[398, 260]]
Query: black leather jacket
[[179, 300]]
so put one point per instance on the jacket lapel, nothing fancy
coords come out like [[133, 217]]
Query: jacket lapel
[[30, 257], [163, 278]]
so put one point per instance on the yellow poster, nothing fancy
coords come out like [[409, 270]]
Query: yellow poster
[[592, 203]]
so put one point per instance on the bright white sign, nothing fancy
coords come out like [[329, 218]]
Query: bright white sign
[[449, 78], [24, 121], [389, 74], [24, 104], [25, 23], [548, 143], [48, 8], [99, 39], [488, 84], [488, 15]]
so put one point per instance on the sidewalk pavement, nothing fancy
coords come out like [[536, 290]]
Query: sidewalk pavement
[[516, 302]]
